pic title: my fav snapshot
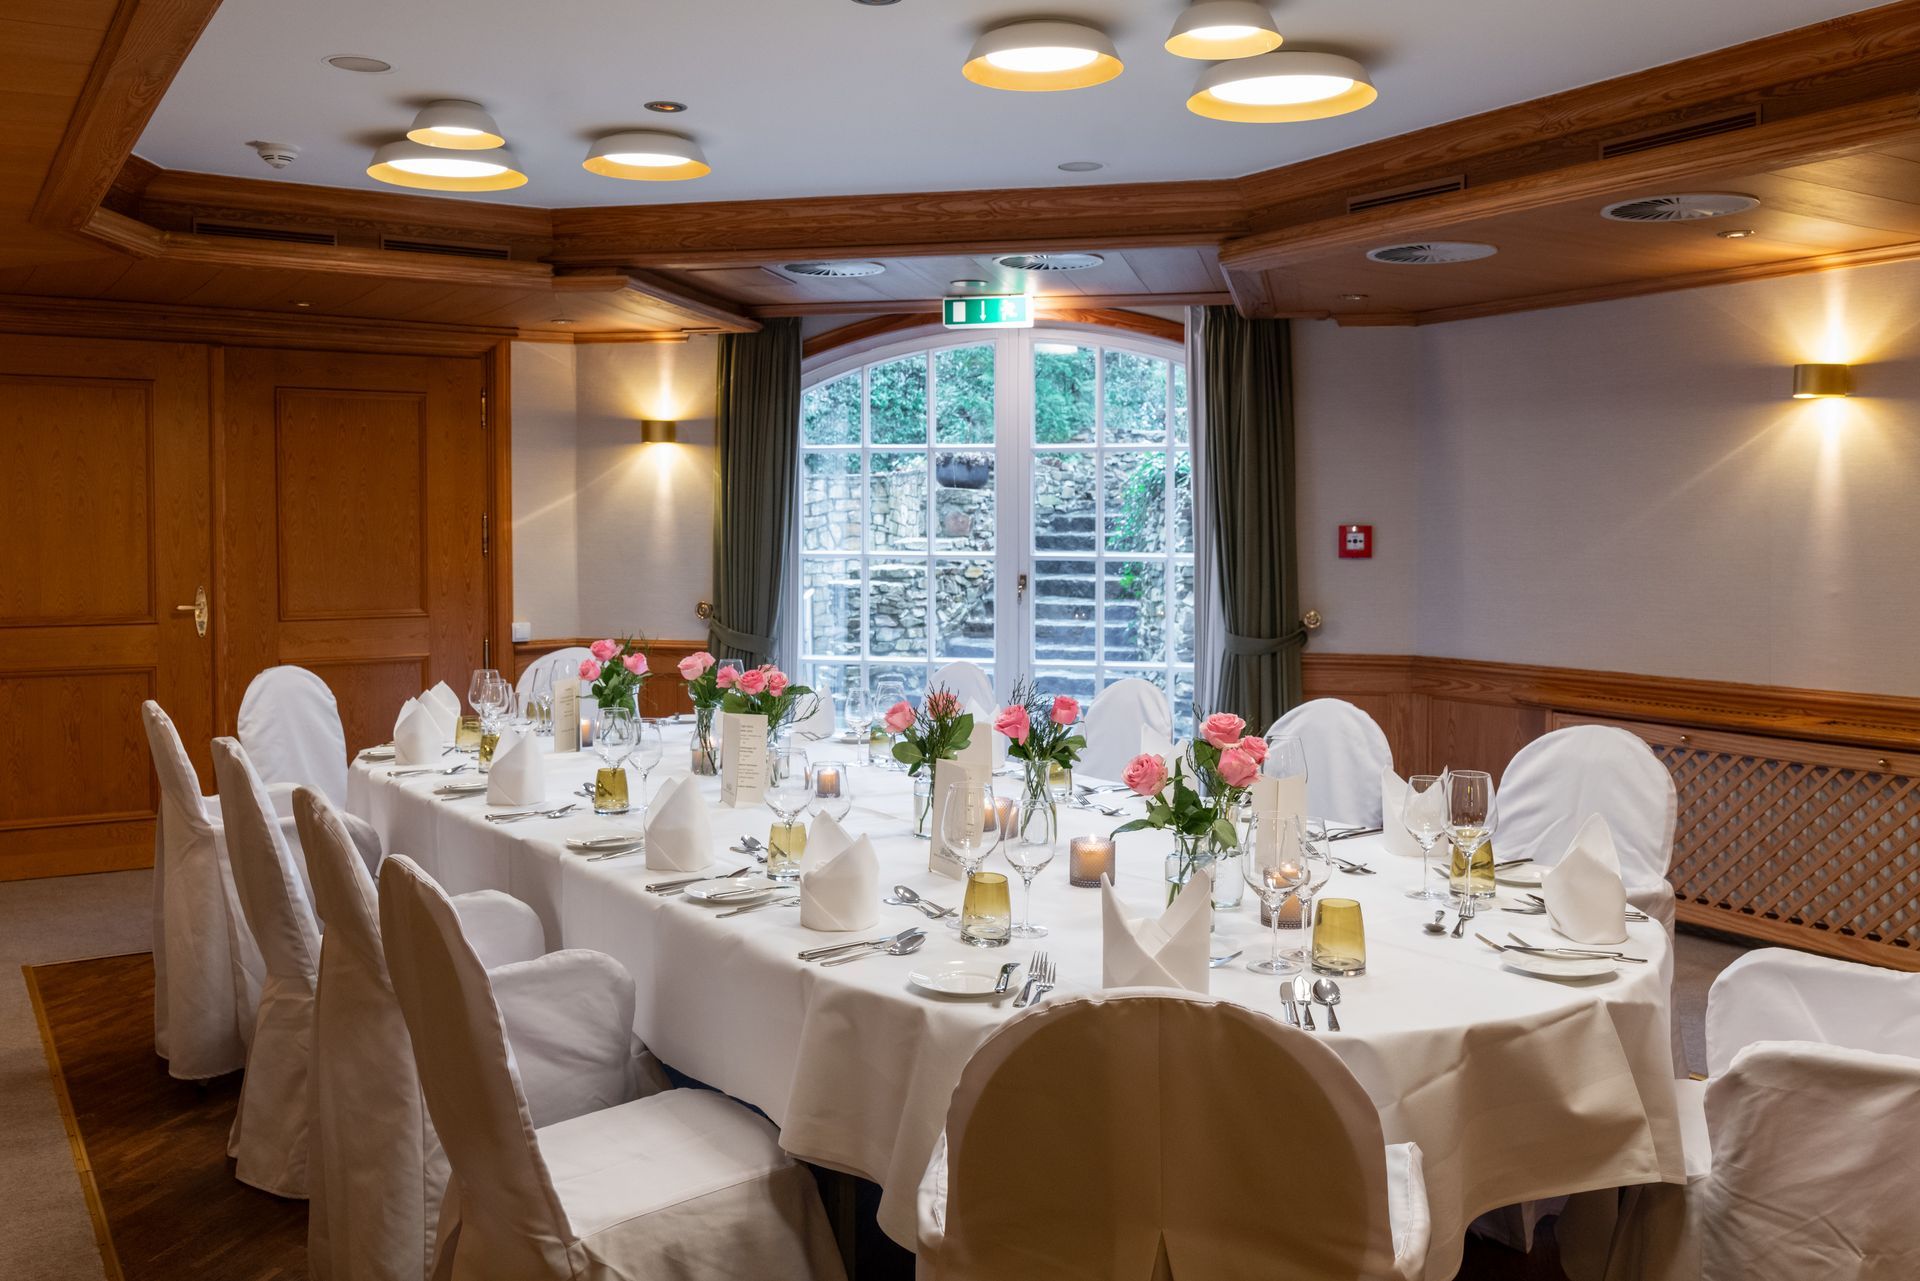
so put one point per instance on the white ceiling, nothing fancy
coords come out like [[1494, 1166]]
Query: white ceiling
[[828, 97]]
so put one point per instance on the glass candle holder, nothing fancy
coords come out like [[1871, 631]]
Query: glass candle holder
[[986, 914], [827, 782], [786, 844], [610, 791], [1088, 859], [1060, 781], [466, 734], [1339, 938]]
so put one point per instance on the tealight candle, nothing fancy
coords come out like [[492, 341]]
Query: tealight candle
[[586, 731], [1088, 859], [826, 781]]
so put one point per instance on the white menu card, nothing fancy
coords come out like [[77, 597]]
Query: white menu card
[[743, 758]]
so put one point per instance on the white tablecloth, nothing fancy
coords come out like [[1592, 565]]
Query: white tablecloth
[[1515, 1088]]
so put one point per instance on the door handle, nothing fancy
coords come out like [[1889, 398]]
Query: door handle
[[198, 609]]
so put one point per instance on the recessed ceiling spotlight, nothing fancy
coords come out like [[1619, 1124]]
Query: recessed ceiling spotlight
[[1736, 233], [646, 155], [1041, 57], [834, 270], [408, 164], [1081, 166], [666, 106], [970, 284], [299, 303], [456, 125], [1274, 88], [1431, 252], [1212, 30], [1691, 207], [561, 320], [876, 3], [1353, 297], [359, 62], [1049, 262]]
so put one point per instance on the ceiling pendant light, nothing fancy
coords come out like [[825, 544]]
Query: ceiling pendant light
[[1042, 57], [1213, 30], [408, 164], [1282, 86], [456, 124], [646, 155]]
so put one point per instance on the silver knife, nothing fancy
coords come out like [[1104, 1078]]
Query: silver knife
[[1006, 978], [755, 907], [1287, 1006]]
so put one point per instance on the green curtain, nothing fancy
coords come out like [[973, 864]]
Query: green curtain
[[1246, 464], [756, 439]]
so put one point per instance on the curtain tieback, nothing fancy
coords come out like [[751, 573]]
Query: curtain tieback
[[1260, 646], [740, 640]]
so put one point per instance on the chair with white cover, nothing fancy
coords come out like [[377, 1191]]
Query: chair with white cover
[[1802, 1146], [560, 663], [819, 721], [268, 1140], [290, 725], [1126, 716], [206, 970], [376, 1173], [684, 1184], [973, 686], [1346, 753], [1276, 1167], [1559, 780]]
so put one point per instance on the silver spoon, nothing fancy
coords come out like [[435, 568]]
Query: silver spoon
[[899, 947], [1327, 992], [1434, 926], [905, 897]]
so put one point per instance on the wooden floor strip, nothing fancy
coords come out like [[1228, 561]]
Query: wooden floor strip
[[102, 1235]]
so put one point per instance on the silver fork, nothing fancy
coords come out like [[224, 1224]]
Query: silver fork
[[1034, 968], [516, 815], [1043, 984]]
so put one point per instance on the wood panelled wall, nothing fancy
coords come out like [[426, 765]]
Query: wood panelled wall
[[664, 694]]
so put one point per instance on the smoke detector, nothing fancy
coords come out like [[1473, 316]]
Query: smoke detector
[[277, 154], [1049, 262], [1429, 252], [1683, 208], [834, 270]]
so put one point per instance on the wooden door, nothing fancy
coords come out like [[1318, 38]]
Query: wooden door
[[353, 509], [103, 536]]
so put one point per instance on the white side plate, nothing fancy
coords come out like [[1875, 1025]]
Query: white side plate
[[966, 977], [1549, 967], [731, 891]]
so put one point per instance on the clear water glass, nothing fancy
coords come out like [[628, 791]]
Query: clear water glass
[[1030, 852], [477, 686], [1273, 870], [857, 707], [789, 789], [1472, 815], [1424, 814]]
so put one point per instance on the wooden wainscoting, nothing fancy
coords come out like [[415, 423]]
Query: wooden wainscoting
[[1799, 809], [663, 695]]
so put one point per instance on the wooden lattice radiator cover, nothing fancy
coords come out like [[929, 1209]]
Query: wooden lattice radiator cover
[[1796, 843]]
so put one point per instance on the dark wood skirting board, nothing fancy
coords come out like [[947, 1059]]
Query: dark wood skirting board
[[1799, 809], [664, 693]]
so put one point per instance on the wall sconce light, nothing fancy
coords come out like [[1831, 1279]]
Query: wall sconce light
[[659, 431], [1817, 382]]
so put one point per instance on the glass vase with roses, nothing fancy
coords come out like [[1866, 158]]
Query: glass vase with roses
[[617, 669], [765, 691], [701, 674], [1040, 733], [937, 732], [1198, 814]]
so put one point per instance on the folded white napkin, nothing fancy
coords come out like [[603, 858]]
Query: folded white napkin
[[445, 706], [518, 775], [1169, 952], [1393, 815], [839, 879], [417, 739], [1586, 899], [679, 835]]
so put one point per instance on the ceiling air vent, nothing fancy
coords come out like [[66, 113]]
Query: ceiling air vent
[[402, 244], [1049, 262], [835, 270], [1401, 195], [1428, 252], [1684, 208], [246, 231], [1681, 133]]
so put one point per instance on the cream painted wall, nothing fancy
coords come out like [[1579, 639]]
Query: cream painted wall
[[610, 535], [1627, 486]]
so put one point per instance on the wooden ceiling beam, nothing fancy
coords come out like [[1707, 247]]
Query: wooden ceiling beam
[[722, 314]]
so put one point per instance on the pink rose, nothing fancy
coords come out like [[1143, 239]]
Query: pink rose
[[899, 718], [1013, 722], [943, 703], [695, 665], [589, 670], [1223, 730], [1237, 768], [727, 677], [753, 682], [635, 663], [1065, 710], [1145, 774], [1256, 748], [776, 683], [604, 650]]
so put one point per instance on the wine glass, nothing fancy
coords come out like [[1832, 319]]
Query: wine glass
[[788, 791], [645, 756], [858, 708], [1286, 758], [1424, 815], [888, 691], [972, 827], [733, 665], [496, 711], [1272, 870], [1029, 851], [477, 686], [1316, 852], [1471, 818], [540, 701], [613, 738]]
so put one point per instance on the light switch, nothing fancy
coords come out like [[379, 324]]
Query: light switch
[[522, 631]]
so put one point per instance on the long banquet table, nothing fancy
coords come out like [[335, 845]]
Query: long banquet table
[[1515, 1088]]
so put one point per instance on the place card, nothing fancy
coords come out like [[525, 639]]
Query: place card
[[743, 758], [566, 716], [1275, 799], [948, 775]]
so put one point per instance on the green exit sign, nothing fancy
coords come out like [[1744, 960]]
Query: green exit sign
[[989, 311]]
